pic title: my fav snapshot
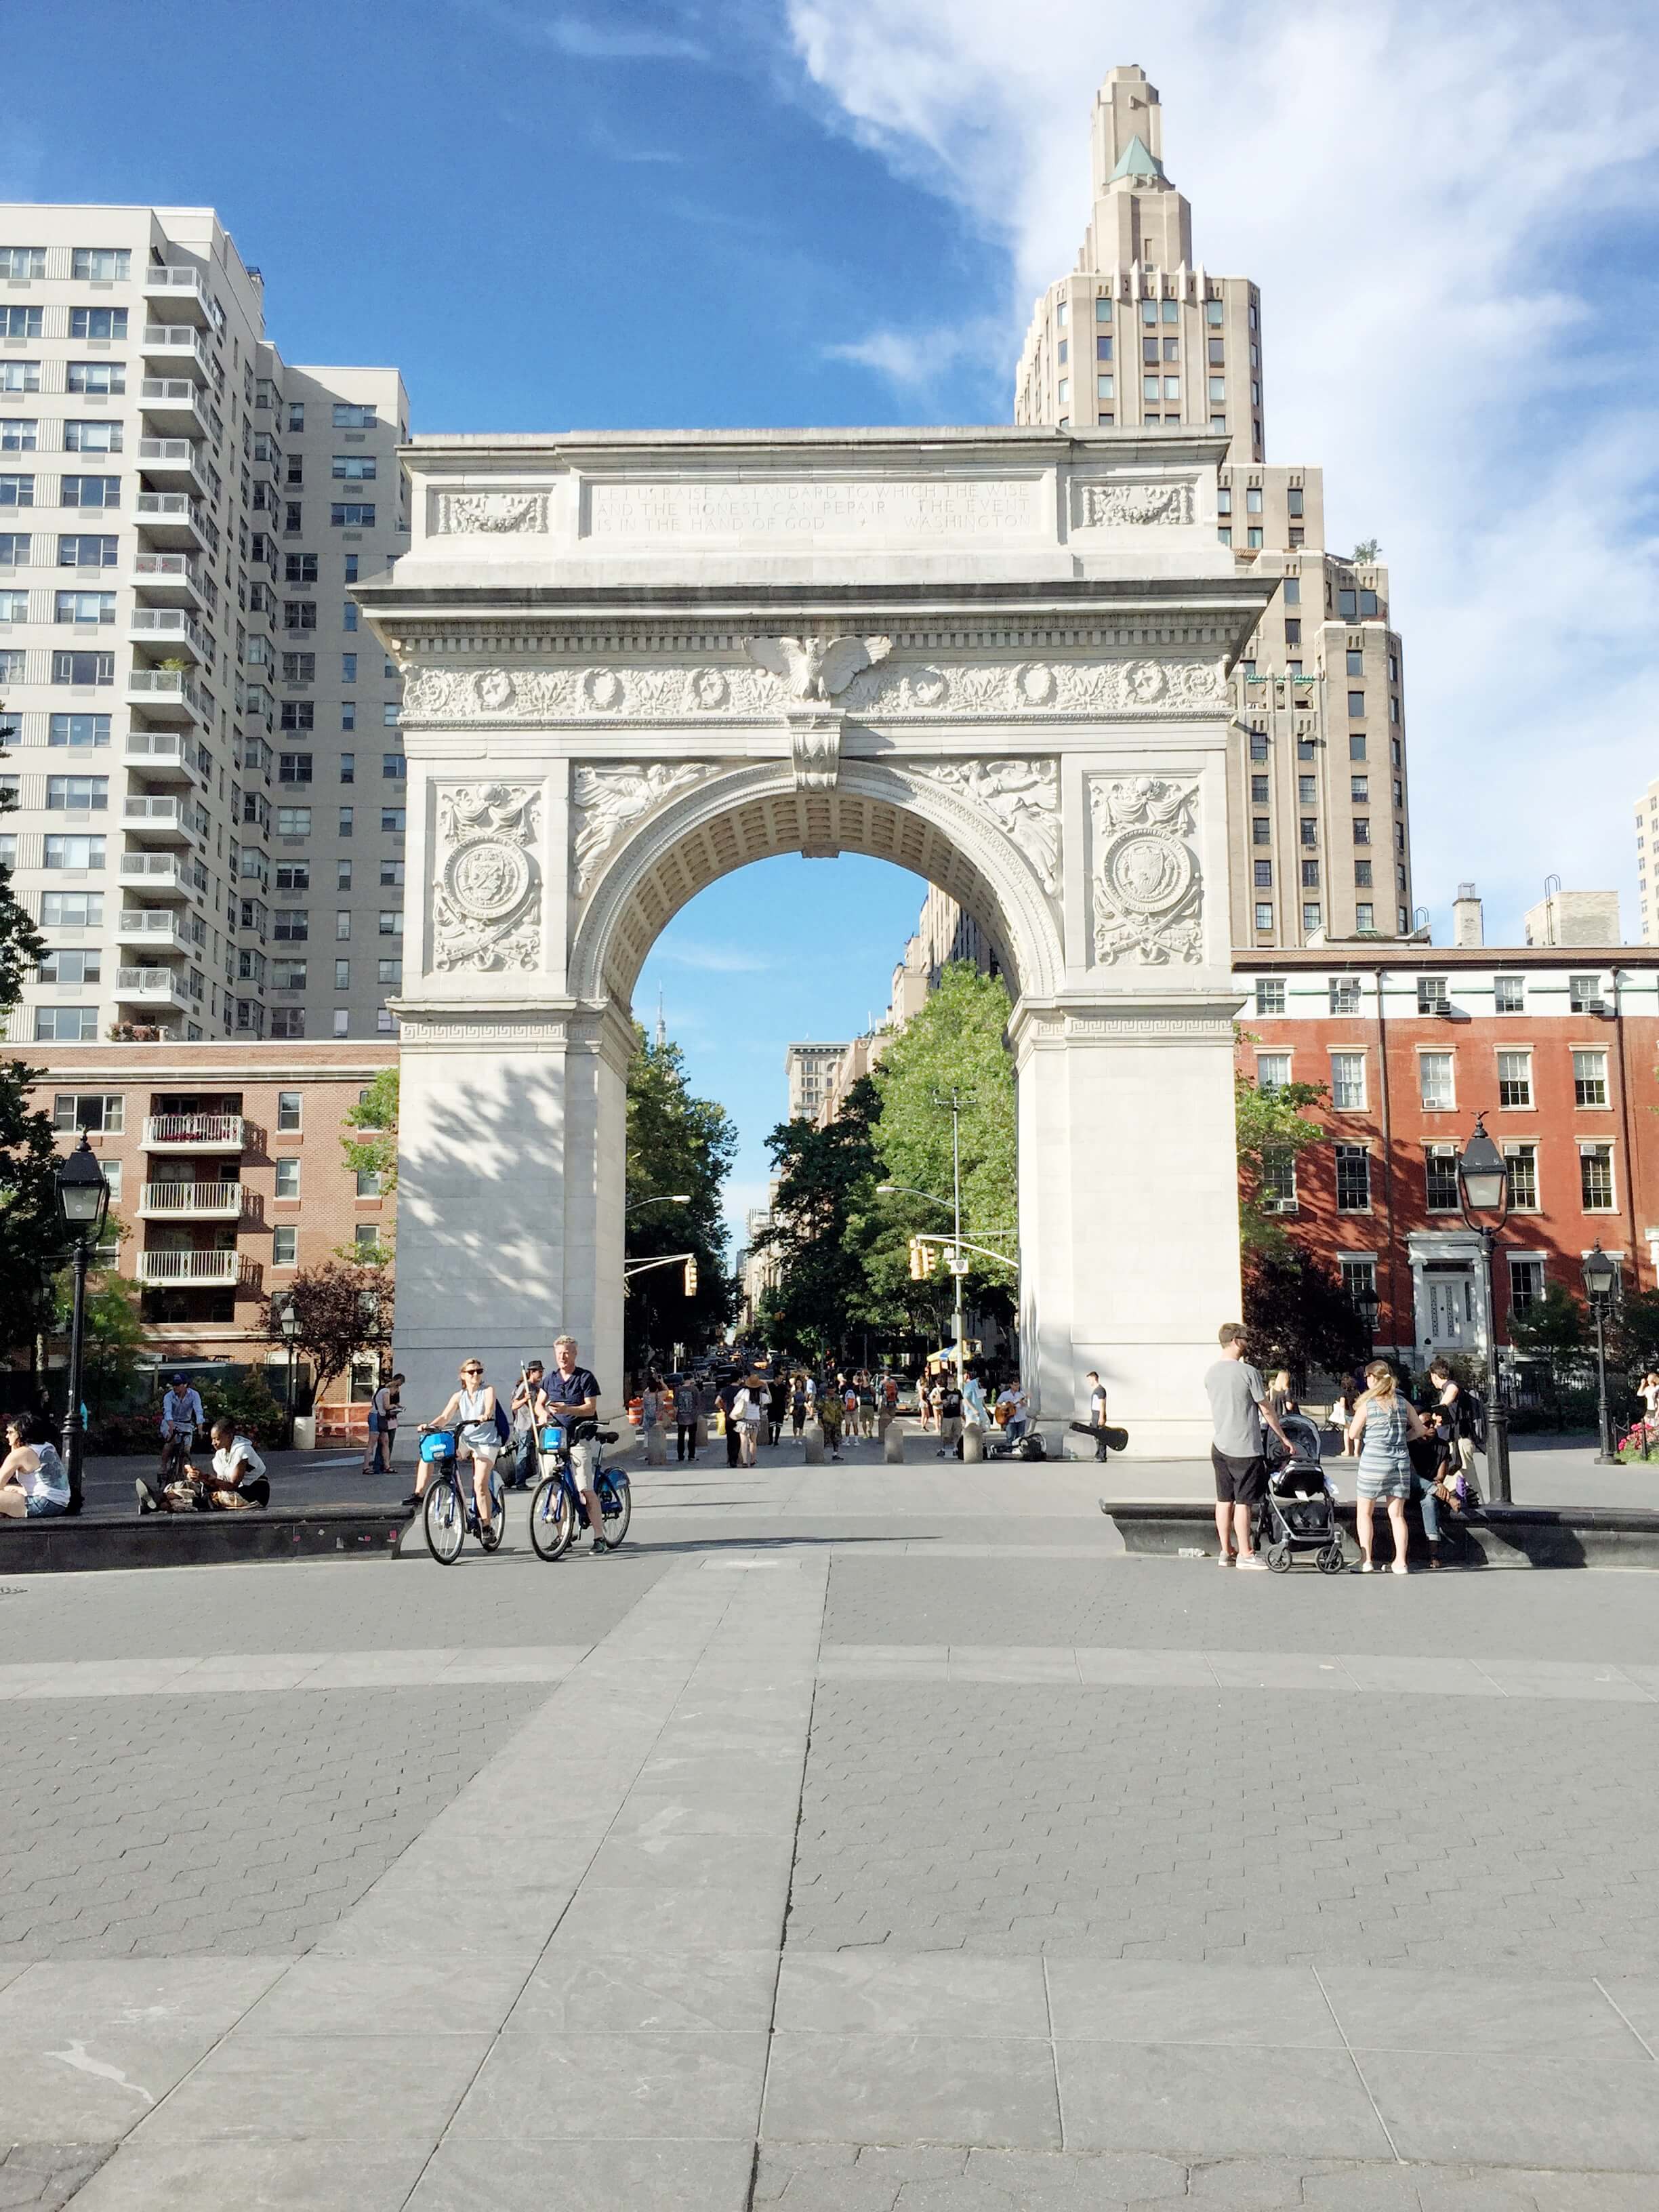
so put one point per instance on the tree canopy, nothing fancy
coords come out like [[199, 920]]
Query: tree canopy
[[676, 1143], [1271, 1127], [33, 1237]]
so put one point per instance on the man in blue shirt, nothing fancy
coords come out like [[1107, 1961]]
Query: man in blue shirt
[[569, 1395]]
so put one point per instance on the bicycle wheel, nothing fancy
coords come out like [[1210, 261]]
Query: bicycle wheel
[[552, 1524], [616, 1489], [445, 1522]]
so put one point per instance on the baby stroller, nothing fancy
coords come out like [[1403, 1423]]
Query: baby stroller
[[1299, 1511]]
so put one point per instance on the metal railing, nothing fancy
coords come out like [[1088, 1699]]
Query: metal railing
[[174, 1132], [210, 1269], [221, 1201]]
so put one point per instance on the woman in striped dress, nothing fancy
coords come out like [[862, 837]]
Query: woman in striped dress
[[1384, 1426]]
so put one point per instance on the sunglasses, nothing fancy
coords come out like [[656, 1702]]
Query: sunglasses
[[472, 1370]]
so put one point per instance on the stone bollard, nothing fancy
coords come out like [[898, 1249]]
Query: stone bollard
[[656, 1446], [973, 1443], [892, 1445], [812, 1436]]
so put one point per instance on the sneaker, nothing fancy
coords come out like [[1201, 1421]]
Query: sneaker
[[411, 1501], [1225, 1559], [1253, 1559], [146, 1502]]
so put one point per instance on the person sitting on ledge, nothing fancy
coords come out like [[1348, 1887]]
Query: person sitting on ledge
[[34, 1481], [238, 1479]]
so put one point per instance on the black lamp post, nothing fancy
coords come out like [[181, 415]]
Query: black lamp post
[[1483, 1189], [287, 1321], [1600, 1285], [83, 1204]]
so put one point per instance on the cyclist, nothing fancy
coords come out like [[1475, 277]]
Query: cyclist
[[471, 1412], [570, 1396]]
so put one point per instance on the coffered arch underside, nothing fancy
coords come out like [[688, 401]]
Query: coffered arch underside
[[760, 812]]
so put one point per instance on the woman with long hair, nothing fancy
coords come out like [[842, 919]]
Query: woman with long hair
[[1384, 1426]]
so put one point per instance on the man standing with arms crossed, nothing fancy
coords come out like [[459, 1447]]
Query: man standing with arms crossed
[[570, 1396], [1238, 1406]]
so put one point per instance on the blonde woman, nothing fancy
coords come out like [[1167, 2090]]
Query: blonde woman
[[1383, 1428], [471, 1412]]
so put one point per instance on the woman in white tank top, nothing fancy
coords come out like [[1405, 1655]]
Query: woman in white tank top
[[471, 1412]]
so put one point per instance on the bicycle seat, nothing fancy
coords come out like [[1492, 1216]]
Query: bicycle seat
[[606, 1436]]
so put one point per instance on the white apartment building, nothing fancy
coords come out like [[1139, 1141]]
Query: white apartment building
[[1646, 851], [809, 1068], [172, 498], [1141, 338]]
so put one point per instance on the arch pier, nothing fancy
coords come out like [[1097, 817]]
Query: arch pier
[[635, 663]]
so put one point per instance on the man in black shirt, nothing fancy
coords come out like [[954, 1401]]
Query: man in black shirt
[[727, 1398], [570, 1394]]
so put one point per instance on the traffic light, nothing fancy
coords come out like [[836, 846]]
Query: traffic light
[[691, 1278], [922, 1255]]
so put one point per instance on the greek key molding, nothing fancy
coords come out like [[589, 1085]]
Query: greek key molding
[[1148, 892], [490, 513], [611, 801], [415, 1030], [486, 891], [1021, 796]]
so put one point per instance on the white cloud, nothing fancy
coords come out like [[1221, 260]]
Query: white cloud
[[917, 361], [1451, 213], [711, 959], [584, 40]]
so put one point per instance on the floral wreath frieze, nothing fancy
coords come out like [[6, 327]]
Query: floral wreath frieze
[[490, 513], [1132, 684], [1148, 890], [485, 908], [1021, 796], [611, 800]]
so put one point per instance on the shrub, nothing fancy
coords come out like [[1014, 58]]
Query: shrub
[[249, 1404]]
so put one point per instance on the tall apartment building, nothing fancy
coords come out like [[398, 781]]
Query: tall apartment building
[[809, 1068], [1647, 849], [1140, 338], [201, 747]]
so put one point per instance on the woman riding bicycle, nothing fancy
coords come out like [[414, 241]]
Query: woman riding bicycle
[[471, 1413]]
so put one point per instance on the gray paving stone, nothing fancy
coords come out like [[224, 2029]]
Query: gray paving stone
[[1140, 2000], [257, 2087], [890, 1992], [578, 1992], [540, 2084], [1424, 2011], [253, 2177], [497, 2176], [43, 2177], [900, 2088], [1196, 2101], [1529, 2111]]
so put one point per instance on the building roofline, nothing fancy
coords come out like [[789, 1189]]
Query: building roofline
[[1321, 959]]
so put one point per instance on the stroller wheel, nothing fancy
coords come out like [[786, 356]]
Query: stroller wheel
[[1331, 1561], [1279, 1558]]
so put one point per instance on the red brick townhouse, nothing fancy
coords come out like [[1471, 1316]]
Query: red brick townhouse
[[226, 1174], [1556, 1048]]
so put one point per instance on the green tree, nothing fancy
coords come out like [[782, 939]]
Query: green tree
[[825, 1178], [375, 1153], [114, 1339], [676, 1143], [1367, 551], [1271, 1128], [1554, 1333], [343, 1310], [32, 1239], [1299, 1316]]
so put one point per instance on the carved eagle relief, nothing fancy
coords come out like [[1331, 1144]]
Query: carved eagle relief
[[817, 668]]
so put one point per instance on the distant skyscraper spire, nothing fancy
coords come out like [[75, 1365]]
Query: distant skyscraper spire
[[662, 1026]]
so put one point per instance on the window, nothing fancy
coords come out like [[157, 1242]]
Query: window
[[1217, 390], [1279, 1182], [89, 491], [351, 578], [62, 965], [18, 434], [71, 910], [1360, 1280], [1353, 1179], [15, 548], [349, 715], [348, 768], [83, 668], [1310, 875], [1261, 830], [368, 1182], [78, 794], [393, 766], [354, 417], [1345, 994], [1355, 744], [342, 1021], [99, 1112], [1103, 346], [1294, 500], [16, 491], [1595, 1177], [359, 468], [288, 974], [1356, 703], [384, 1025], [107, 377], [1440, 1178], [1509, 994], [1258, 790], [1292, 630], [91, 438], [1584, 993], [291, 924], [345, 822], [1264, 916], [1432, 998], [392, 922], [1523, 1177], [1148, 389], [1258, 745], [1272, 1070], [287, 1113], [1264, 875], [66, 1024], [1515, 1078], [285, 1246], [391, 971], [293, 822], [1292, 591], [14, 606], [74, 853], [20, 262], [1253, 499], [1526, 1285], [342, 975], [300, 569], [1363, 916], [299, 614], [1356, 662], [1434, 1080], [1589, 1078], [19, 322], [1348, 1082], [348, 614], [391, 820], [288, 1178], [343, 875], [352, 514], [298, 714], [342, 925], [1307, 791], [86, 552], [84, 607], [100, 265], [1312, 914], [1310, 830], [1360, 790], [1253, 535], [391, 872], [294, 767]]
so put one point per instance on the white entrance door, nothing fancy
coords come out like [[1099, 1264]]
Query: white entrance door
[[1451, 1311]]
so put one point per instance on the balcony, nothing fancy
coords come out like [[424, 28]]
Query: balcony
[[155, 928], [166, 694], [157, 875], [152, 987], [175, 346], [173, 465], [190, 1270], [171, 580], [170, 630], [162, 754], [194, 1132], [190, 1201], [174, 518], [160, 821], [172, 404], [177, 295]]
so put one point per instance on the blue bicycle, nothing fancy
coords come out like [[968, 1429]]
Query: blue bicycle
[[449, 1510], [556, 1511]]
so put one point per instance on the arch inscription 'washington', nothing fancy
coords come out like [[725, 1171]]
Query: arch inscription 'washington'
[[633, 664]]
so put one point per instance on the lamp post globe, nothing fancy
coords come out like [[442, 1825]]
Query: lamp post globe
[[1601, 1275], [1483, 1197], [83, 1208]]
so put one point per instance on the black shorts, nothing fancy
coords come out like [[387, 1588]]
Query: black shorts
[[1239, 1481]]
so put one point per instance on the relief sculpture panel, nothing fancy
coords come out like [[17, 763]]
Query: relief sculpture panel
[[1148, 892], [486, 907]]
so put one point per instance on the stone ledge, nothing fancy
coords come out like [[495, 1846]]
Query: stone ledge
[[79, 1546], [1502, 1536]]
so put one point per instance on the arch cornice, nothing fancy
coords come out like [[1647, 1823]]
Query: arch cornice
[[1010, 900]]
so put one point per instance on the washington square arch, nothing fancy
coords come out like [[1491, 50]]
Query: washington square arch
[[634, 663]]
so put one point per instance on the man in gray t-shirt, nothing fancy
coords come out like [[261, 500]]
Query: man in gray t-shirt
[[1238, 1406]]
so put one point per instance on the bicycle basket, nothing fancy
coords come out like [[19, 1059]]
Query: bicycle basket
[[552, 1439], [438, 1443]]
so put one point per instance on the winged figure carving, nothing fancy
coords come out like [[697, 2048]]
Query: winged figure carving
[[817, 668]]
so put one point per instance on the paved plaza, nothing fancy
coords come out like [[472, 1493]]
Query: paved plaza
[[848, 1840]]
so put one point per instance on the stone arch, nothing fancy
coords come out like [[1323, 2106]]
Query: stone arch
[[723, 824]]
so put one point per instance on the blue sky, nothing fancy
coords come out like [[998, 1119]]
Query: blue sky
[[810, 211]]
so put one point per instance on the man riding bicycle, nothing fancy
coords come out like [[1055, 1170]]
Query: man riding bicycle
[[569, 1396]]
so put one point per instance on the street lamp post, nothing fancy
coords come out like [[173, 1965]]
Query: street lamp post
[[1483, 1190], [1600, 1283], [83, 1204], [288, 1320]]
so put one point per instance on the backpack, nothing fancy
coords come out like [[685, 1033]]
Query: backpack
[[1472, 1419], [503, 1426]]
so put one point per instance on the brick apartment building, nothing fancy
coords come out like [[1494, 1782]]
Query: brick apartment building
[[227, 1175], [1556, 1046]]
